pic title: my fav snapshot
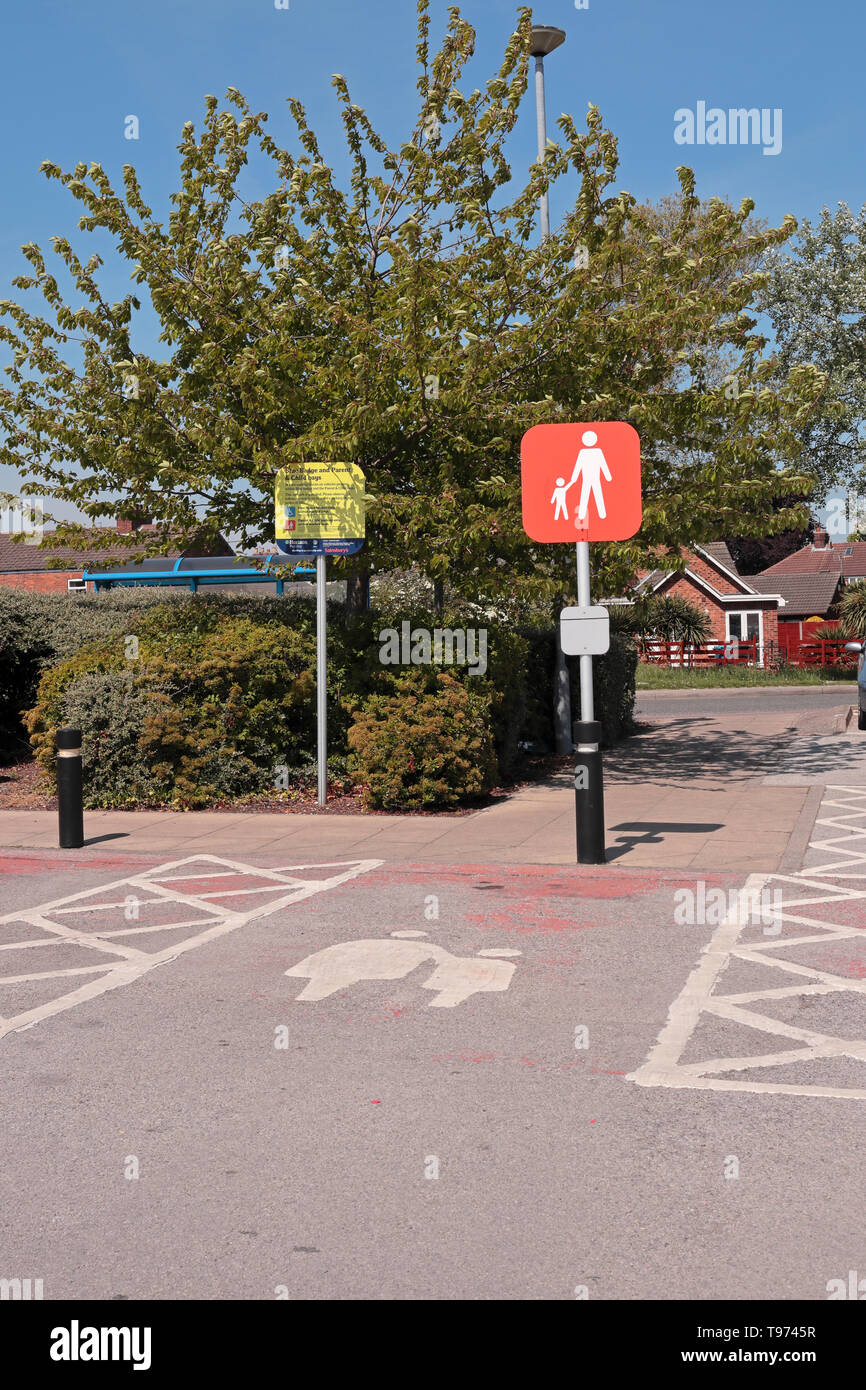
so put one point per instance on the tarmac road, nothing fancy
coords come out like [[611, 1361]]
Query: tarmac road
[[764, 700], [451, 1128]]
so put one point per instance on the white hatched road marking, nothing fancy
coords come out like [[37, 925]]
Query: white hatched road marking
[[833, 882], [215, 916]]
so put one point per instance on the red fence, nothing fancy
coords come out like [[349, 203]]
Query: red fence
[[821, 654], [692, 654], [744, 653]]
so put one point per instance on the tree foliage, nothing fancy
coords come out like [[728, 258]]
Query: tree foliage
[[409, 321], [815, 297]]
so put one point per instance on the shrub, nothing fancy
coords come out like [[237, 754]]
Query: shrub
[[428, 745], [668, 618], [222, 694], [396, 592], [110, 712], [613, 688], [537, 729], [37, 630], [225, 704], [852, 611], [48, 714], [504, 684]]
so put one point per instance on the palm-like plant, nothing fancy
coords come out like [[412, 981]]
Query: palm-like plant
[[669, 619], [852, 612]]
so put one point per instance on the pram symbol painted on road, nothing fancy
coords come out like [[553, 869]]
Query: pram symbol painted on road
[[454, 978]]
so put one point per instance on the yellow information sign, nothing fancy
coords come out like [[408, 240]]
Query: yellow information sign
[[319, 501]]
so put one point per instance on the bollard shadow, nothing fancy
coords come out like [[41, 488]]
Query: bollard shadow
[[655, 833], [97, 839]]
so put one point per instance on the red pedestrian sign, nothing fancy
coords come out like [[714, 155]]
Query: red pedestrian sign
[[581, 482]]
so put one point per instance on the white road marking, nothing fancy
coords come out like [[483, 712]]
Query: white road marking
[[215, 917], [703, 995], [454, 978]]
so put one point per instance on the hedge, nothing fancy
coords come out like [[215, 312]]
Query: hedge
[[215, 700], [38, 630]]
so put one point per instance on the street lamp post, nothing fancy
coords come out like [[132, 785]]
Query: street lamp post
[[545, 38]]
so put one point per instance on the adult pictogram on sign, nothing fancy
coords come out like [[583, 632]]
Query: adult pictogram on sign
[[590, 464], [581, 482]]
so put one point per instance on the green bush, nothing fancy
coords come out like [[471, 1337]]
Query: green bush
[[505, 683], [221, 695], [111, 714], [613, 687], [852, 611], [38, 630], [427, 745], [666, 617], [226, 704]]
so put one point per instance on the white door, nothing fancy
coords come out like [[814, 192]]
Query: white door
[[744, 625]]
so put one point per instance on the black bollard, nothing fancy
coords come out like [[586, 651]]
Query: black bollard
[[589, 793], [70, 812]]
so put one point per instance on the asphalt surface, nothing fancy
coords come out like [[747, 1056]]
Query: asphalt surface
[[196, 1130], [765, 700]]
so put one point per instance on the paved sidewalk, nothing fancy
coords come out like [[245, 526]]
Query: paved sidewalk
[[685, 792], [652, 827]]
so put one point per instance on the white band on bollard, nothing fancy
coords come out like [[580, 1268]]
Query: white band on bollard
[[69, 752]]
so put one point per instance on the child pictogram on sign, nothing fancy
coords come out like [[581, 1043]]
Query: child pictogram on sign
[[559, 498]]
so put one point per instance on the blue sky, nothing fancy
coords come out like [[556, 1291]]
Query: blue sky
[[74, 72]]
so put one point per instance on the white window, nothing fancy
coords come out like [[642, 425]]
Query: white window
[[746, 626]]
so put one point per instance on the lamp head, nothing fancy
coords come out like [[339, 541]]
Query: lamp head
[[545, 38]]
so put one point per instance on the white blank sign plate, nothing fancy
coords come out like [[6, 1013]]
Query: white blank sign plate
[[584, 631]]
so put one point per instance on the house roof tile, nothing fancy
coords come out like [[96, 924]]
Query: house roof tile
[[804, 594], [17, 557], [827, 559]]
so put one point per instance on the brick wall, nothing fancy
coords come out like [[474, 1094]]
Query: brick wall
[[719, 580], [41, 582], [683, 587]]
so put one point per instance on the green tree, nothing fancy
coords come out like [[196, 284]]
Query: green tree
[[754, 553], [410, 321], [815, 297]]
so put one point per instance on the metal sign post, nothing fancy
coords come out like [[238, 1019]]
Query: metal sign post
[[321, 681], [319, 510], [589, 771], [600, 461], [587, 707]]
